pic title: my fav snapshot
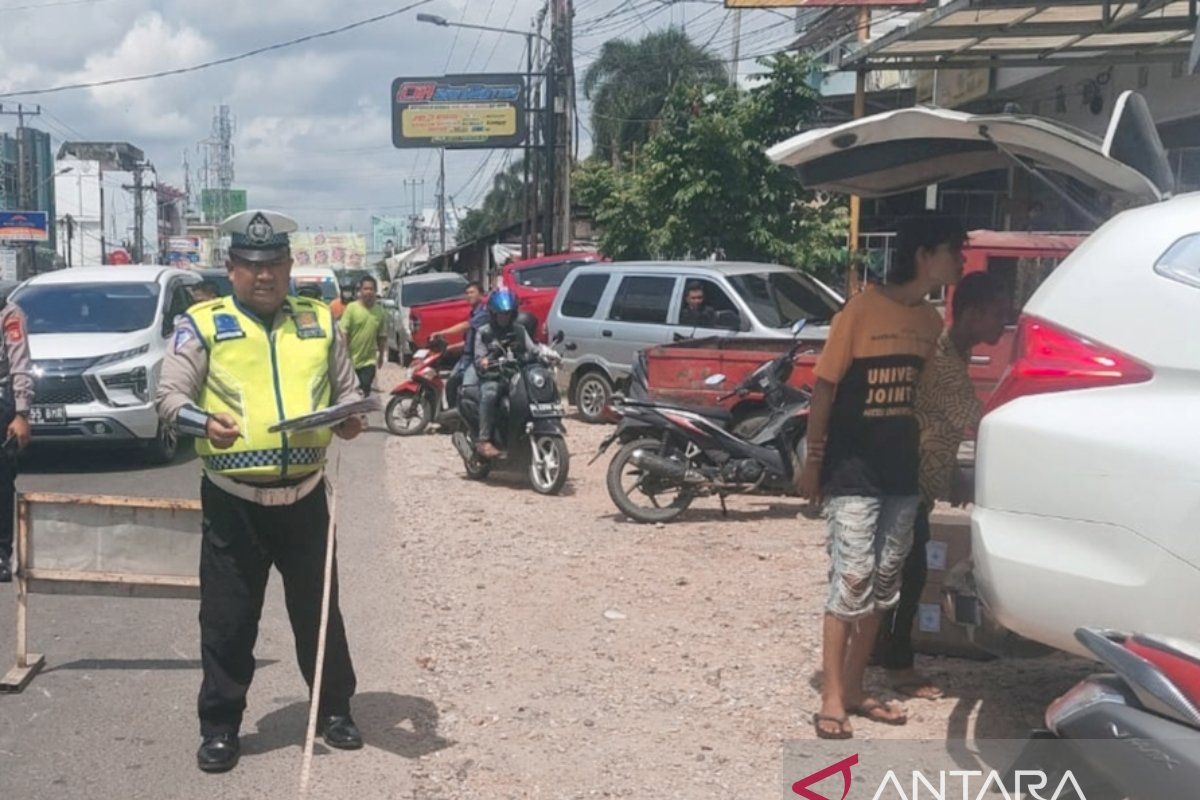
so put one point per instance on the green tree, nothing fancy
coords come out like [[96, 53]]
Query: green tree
[[503, 205], [705, 187], [629, 82]]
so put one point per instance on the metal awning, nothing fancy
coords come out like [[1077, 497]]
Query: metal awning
[[967, 34]]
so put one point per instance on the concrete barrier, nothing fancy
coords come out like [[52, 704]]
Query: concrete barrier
[[97, 545]]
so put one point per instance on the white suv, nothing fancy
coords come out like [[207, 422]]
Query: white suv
[[97, 336], [1088, 464]]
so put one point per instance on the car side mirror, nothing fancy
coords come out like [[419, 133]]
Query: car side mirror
[[729, 320]]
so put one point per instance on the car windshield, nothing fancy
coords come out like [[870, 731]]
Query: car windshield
[[417, 293], [328, 286], [221, 281], [780, 299], [89, 307]]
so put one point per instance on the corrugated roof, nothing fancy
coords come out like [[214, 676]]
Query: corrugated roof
[[1020, 33]]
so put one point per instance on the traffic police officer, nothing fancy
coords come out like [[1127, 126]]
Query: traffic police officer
[[16, 388], [238, 365]]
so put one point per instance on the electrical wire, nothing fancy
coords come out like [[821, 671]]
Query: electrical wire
[[39, 6], [221, 61]]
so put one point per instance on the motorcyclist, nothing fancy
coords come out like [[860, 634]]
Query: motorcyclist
[[499, 336], [477, 318]]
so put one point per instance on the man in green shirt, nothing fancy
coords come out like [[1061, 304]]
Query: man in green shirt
[[365, 326]]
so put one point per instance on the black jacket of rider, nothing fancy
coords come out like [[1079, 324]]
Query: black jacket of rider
[[515, 337]]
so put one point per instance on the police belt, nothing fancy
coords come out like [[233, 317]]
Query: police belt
[[268, 495]]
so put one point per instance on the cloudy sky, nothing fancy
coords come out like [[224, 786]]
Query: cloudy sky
[[313, 121]]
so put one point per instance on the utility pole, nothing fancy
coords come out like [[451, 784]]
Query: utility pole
[[737, 47], [24, 184], [526, 194], [860, 110], [551, 129], [568, 130], [442, 200], [139, 209]]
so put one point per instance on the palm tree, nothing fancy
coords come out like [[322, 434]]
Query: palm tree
[[630, 81]]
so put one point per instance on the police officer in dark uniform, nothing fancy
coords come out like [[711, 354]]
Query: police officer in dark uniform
[[238, 365], [16, 388]]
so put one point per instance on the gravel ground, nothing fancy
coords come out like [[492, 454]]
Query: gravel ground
[[571, 653]]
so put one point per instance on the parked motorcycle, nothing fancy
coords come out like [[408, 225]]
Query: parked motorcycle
[[421, 398], [1134, 733], [673, 454], [529, 426]]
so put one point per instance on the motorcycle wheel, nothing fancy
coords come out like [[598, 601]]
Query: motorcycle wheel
[[549, 464], [408, 414], [477, 468], [666, 502]]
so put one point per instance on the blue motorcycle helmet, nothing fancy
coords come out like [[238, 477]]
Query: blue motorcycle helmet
[[502, 308]]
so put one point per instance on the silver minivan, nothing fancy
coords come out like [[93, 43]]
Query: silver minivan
[[608, 312]]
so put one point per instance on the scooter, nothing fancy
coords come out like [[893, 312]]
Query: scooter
[[422, 398], [1133, 733], [673, 454], [529, 421]]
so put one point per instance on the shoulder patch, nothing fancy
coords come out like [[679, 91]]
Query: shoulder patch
[[184, 333], [14, 329], [227, 327]]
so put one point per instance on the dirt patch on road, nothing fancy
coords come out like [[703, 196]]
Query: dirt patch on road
[[571, 653]]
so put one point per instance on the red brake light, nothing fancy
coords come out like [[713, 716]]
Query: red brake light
[[1047, 358]]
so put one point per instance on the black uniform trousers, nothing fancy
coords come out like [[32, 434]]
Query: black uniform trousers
[[8, 498], [893, 649], [241, 541]]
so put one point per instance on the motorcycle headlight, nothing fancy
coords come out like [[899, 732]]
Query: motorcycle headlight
[[127, 388]]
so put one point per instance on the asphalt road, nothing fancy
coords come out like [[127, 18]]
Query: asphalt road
[[113, 714]]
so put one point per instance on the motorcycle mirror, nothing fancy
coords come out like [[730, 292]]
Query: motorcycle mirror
[[798, 326], [558, 337], [714, 380]]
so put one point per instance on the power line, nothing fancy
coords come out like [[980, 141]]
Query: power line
[[39, 6], [221, 61]]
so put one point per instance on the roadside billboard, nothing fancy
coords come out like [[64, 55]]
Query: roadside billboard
[[24, 226], [333, 250], [217, 204], [459, 111], [388, 229], [184, 252]]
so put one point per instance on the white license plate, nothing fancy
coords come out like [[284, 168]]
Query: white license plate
[[48, 415], [549, 409]]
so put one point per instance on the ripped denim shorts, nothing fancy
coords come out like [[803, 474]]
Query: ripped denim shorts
[[868, 539]]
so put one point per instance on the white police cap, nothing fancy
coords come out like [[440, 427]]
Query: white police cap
[[257, 234]]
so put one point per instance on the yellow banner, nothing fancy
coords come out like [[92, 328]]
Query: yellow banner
[[459, 122]]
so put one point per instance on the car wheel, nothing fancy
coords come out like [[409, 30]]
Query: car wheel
[[162, 448], [592, 395]]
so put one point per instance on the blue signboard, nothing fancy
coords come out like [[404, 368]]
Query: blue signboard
[[24, 226]]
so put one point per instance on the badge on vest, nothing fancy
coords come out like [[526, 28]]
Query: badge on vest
[[228, 327], [308, 326]]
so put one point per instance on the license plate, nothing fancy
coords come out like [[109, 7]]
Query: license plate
[[48, 415], [546, 409]]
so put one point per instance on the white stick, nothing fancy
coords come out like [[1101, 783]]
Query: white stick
[[310, 736]]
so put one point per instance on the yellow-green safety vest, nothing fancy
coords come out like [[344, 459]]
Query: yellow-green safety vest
[[261, 377]]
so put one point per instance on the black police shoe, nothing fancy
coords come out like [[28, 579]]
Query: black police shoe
[[5, 571], [339, 731], [218, 753]]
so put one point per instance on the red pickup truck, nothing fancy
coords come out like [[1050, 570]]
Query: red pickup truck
[[535, 282]]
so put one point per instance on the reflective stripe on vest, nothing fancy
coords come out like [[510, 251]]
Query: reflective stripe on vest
[[259, 378]]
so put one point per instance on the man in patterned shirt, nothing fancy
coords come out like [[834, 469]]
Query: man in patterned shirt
[[946, 407]]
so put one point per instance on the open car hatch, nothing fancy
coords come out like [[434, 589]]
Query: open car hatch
[[906, 150]]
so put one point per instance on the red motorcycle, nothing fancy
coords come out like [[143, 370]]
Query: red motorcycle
[[421, 399]]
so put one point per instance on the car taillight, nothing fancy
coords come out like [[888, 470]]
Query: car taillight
[[1047, 358], [1051, 359]]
